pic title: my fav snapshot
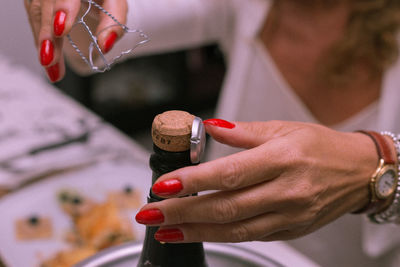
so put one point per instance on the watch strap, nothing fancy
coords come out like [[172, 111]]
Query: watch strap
[[383, 147], [384, 151]]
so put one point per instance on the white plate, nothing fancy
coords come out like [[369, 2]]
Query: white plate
[[41, 199]]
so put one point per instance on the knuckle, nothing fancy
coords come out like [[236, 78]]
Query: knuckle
[[176, 214], [230, 178], [306, 202], [293, 154], [35, 11], [240, 233], [300, 194], [314, 210], [224, 210], [179, 217], [256, 128]]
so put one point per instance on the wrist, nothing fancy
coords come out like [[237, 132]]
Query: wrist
[[365, 166], [394, 155], [383, 181], [390, 213]]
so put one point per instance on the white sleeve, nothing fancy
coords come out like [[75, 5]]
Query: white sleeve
[[176, 24]]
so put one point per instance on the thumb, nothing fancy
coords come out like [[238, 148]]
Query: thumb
[[238, 134]]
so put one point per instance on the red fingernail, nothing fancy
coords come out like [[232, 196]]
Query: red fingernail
[[59, 23], [53, 72], [219, 123], [46, 52], [109, 43], [169, 235], [152, 216], [167, 187]]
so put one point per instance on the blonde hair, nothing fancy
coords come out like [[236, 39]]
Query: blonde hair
[[371, 37]]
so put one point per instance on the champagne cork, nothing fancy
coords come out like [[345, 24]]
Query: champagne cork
[[171, 130]]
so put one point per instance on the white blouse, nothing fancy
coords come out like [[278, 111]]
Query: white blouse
[[254, 89]]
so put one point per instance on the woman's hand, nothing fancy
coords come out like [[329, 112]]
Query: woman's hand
[[51, 20], [292, 179]]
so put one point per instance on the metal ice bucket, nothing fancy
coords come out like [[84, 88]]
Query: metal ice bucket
[[217, 255]]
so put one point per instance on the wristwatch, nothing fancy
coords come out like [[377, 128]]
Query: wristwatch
[[383, 182]]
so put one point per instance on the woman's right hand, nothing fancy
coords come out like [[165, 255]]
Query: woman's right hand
[[292, 179], [51, 20]]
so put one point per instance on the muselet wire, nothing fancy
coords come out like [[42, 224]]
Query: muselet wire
[[94, 46]]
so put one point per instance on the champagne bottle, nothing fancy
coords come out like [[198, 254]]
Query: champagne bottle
[[171, 133]]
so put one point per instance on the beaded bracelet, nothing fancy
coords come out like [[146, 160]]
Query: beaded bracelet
[[392, 213]]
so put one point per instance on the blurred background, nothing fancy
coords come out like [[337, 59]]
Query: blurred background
[[82, 152], [188, 80]]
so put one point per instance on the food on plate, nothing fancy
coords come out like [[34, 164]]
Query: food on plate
[[95, 225], [97, 228], [128, 198], [103, 226], [33, 227], [69, 257], [73, 203]]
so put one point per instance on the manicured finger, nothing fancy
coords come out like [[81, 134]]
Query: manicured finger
[[218, 207], [229, 173], [246, 230], [64, 17], [246, 134], [237, 134], [46, 40], [56, 72], [108, 31]]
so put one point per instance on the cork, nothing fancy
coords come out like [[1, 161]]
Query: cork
[[171, 130]]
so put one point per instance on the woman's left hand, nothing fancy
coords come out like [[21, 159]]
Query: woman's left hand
[[52, 20], [292, 179]]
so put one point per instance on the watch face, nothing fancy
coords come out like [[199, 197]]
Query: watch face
[[386, 184]]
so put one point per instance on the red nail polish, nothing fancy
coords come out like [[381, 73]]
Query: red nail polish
[[152, 216], [219, 123], [53, 72], [109, 43], [169, 235], [167, 187], [59, 23], [46, 52]]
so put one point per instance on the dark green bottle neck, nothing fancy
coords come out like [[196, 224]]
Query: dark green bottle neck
[[154, 253], [162, 162]]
